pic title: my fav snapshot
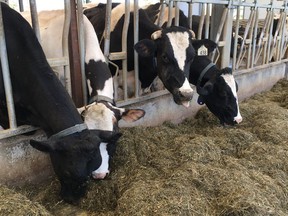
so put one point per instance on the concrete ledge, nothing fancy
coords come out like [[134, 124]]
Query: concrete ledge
[[20, 163]]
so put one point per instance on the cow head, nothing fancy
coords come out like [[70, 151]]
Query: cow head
[[217, 88], [220, 96], [105, 116], [172, 49], [74, 157]]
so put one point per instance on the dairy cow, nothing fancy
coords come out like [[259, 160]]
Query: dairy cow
[[216, 87], [167, 53], [101, 113], [41, 100]]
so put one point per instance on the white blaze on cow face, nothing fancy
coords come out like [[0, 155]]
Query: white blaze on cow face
[[179, 42], [229, 79], [103, 170]]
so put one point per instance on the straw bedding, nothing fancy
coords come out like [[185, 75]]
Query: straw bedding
[[195, 168]]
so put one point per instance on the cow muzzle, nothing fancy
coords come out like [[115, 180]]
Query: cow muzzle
[[183, 97], [100, 175]]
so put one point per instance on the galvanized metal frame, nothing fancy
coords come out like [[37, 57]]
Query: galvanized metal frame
[[64, 61]]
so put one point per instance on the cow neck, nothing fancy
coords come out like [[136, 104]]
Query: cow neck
[[99, 98], [203, 73], [68, 131]]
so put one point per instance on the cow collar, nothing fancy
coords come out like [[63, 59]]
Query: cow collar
[[97, 98], [202, 74], [68, 131]]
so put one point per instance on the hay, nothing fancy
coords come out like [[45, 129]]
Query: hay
[[12, 203], [194, 168]]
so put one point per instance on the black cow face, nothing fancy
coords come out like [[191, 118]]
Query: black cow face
[[74, 157], [173, 50], [219, 94], [105, 116]]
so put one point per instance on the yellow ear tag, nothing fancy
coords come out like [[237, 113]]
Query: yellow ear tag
[[202, 51]]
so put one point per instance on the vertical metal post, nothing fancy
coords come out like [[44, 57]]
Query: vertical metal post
[[136, 39], [176, 19], [254, 35], [170, 11], [65, 49], [225, 60], [107, 29], [82, 48], [124, 46], [161, 13], [201, 22], [6, 75], [207, 21], [190, 14], [34, 18], [21, 6], [75, 66], [236, 36]]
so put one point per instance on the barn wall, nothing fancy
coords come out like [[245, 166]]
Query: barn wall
[[20, 163]]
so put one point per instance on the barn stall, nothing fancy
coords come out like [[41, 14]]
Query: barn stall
[[254, 74]]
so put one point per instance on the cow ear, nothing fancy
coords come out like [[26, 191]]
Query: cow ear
[[132, 115], [145, 48], [206, 89], [44, 146], [208, 44]]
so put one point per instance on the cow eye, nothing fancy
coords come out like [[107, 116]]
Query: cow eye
[[165, 58]]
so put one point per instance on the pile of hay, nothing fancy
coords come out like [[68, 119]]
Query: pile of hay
[[194, 168], [13, 203]]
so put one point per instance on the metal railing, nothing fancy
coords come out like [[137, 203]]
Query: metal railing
[[260, 45], [63, 61]]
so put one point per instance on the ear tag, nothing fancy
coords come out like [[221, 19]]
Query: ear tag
[[202, 51], [200, 100]]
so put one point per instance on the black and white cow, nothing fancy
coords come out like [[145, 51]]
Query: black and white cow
[[101, 113], [166, 52], [41, 100], [216, 87]]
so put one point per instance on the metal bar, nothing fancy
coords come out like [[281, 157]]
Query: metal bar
[[17, 131], [201, 22], [82, 49], [65, 50], [75, 72], [236, 41], [124, 46], [142, 98], [245, 37], [254, 38], [21, 6], [161, 13], [176, 19], [222, 21], [34, 18], [225, 58], [190, 13], [207, 20], [136, 39], [107, 31], [170, 11], [6, 75]]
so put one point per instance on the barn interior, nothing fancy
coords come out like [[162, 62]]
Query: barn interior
[[175, 160]]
